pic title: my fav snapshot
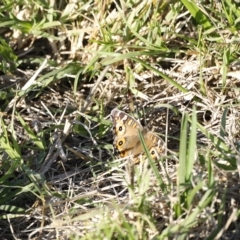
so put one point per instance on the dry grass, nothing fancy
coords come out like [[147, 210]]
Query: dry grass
[[65, 66]]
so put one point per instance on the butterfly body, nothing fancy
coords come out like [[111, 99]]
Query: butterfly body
[[127, 130]]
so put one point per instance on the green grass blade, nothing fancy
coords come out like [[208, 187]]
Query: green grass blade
[[200, 17], [183, 153], [152, 164], [191, 155], [164, 76], [36, 140]]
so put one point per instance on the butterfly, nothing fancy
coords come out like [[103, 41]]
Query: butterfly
[[127, 139]]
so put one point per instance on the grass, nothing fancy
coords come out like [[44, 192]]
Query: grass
[[65, 66]]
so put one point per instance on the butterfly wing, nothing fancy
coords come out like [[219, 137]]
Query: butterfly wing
[[126, 136]]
